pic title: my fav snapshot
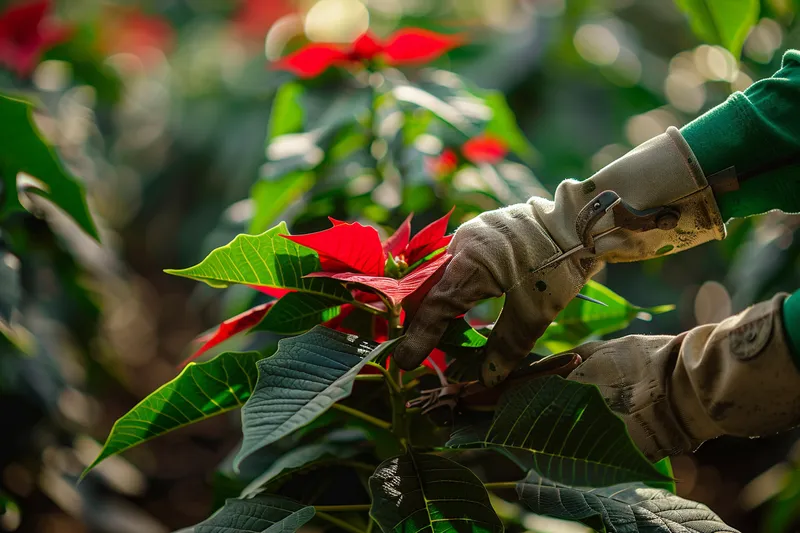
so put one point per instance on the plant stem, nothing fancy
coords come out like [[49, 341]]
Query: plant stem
[[500, 485], [363, 416], [368, 308], [370, 377], [395, 330], [342, 508], [338, 522], [371, 525], [385, 375], [397, 396]]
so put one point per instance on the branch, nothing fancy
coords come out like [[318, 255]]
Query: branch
[[337, 522], [342, 508], [363, 416]]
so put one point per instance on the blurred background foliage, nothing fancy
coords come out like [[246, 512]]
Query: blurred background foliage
[[163, 109]]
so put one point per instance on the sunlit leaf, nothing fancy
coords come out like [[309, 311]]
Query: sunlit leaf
[[271, 197], [725, 22], [564, 430], [298, 312], [306, 376], [263, 514], [287, 113], [200, 391], [23, 150], [628, 508], [417, 492], [268, 260]]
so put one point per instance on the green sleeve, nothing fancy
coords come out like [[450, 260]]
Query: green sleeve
[[791, 321], [753, 131]]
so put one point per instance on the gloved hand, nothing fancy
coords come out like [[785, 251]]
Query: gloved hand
[[498, 251], [674, 393]]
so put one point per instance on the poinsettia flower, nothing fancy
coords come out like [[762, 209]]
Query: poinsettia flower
[[483, 149], [407, 46], [26, 32], [231, 327]]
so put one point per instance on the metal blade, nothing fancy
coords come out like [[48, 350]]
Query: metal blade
[[588, 299]]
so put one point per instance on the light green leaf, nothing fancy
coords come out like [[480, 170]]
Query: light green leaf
[[306, 376], [298, 312], [271, 197], [23, 150], [266, 260], [264, 514], [629, 508], [565, 431], [576, 323], [200, 391], [665, 467], [503, 125], [287, 113], [427, 493], [725, 22]]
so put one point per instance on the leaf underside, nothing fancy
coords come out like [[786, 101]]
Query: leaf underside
[[264, 514], [200, 391], [628, 508], [430, 494], [564, 430]]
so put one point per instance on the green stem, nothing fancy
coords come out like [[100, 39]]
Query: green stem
[[338, 522], [370, 377], [368, 308], [385, 375], [371, 525], [397, 396], [342, 508], [501, 485], [363, 416]]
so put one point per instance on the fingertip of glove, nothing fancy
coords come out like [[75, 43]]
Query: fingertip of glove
[[404, 356]]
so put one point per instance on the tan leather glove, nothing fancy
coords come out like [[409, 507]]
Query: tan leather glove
[[502, 251], [674, 393]]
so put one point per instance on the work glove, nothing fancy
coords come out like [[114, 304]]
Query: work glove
[[674, 393], [503, 251]]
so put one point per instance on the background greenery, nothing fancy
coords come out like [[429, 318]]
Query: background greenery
[[163, 110]]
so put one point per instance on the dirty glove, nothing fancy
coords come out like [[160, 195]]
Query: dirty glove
[[501, 251], [674, 393]]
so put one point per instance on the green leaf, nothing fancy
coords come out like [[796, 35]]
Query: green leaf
[[665, 467], [416, 493], [271, 197], [581, 319], [287, 113], [725, 22], [265, 514], [301, 458], [267, 260], [306, 376], [297, 312], [629, 508], [503, 125], [576, 323], [200, 391], [565, 431], [23, 150]]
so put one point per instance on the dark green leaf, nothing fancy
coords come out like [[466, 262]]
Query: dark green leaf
[[297, 312], [431, 494], [629, 508], [264, 514], [200, 391], [306, 376], [267, 260], [565, 431], [725, 22], [23, 150]]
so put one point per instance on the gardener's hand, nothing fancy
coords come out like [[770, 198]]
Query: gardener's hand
[[498, 251], [732, 378]]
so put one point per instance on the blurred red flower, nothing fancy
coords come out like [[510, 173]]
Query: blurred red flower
[[254, 18], [483, 149], [404, 47], [128, 30], [26, 32]]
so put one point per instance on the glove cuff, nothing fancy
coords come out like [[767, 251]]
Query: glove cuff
[[661, 172]]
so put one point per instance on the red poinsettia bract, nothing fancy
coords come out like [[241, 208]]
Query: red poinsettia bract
[[352, 253], [129, 30], [25, 33], [483, 149], [408, 46]]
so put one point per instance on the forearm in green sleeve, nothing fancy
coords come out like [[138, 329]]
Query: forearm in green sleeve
[[791, 321], [754, 131]]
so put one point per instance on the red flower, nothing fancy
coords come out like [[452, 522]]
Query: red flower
[[405, 47], [25, 33], [484, 149], [254, 18], [353, 253], [130, 31]]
